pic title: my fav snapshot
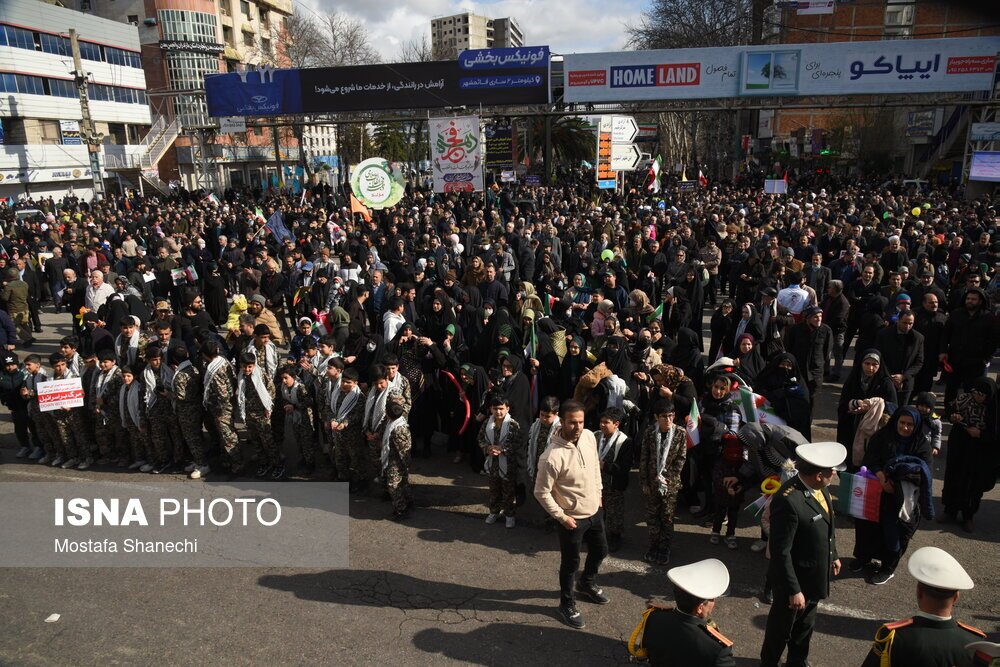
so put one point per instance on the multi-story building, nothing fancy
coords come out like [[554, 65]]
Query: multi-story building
[[43, 153], [182, 41], [452, 34], [919, 140]]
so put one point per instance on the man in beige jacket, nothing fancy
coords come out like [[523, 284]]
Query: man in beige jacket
[[568, 485]]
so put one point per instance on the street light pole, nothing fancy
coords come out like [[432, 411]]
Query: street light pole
[[87, 131]]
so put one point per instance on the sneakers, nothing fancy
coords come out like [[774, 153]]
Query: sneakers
[[882, 576], [650, 556], [715, 538], [137, 465], [277, 472], [36, 453], [492, 518], [758, 546], [45, 460], [149, 467], [731, 542], [161, 468], [85, 464], [200, 472], [262, 470], [58, 462], [21, 453], [190, 468], [592, 593], [572, 616], [663, 557], [510, 522], [72, 463]]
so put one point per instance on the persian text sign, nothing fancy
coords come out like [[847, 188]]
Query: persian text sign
[[836, 68], [456, 161], [57, 394]]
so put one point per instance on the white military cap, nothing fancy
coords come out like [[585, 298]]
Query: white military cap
[[938, 568], [984, 654], [705, 580], [823, 454]]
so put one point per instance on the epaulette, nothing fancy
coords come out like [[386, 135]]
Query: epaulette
[[717, 636], [788, 491], [973, 630], [898, 624]]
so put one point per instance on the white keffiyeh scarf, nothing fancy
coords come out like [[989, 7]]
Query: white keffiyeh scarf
[[375, 409], [149, 378], [387, 437], [607, 446], [257, 380], [533, 434], [216, 365], [128, 404], [348, 404], [499, 463], [133, 346], [664, 443], [291, 396]]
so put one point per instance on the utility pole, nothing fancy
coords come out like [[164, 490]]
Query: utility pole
[[87, 131]]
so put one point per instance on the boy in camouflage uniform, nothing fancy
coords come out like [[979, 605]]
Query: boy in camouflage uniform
[[348, 410], [614, 450], [65, 423], [254, 401], [131, 343], [217, 400], [112, 438], [298, 407], [186, 391], [132, 404], [661, 458], [399, 383], [499, 439], [41, 420], [90, 372], [328, 383], [380, 394], [395, 459], [163, 426]]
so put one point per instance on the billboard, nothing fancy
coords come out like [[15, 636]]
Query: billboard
[[456, 154], [985, 132], [482, 78], [834, 68], [499, 147], [985, 166]]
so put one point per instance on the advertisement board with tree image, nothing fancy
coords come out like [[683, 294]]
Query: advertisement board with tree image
[[771, 72]]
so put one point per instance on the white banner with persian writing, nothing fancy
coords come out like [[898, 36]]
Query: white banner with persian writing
[[456, 154]]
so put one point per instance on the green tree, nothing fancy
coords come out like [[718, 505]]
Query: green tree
[[573, 140]]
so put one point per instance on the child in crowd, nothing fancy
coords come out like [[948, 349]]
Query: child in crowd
[[721, 404], [661, 458], [395, 459], [930, 422], [499, 438], [615, 451]]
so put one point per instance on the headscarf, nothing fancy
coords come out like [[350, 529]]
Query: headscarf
[[892, 432]]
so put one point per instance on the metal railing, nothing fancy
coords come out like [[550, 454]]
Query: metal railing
[[160, 146]]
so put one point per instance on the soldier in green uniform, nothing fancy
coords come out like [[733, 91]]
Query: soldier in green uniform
[[931, 637], [803, 553], [686, 635], [254, 402]]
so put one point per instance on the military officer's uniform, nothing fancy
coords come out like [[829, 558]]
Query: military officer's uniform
[[673, 637], [925, 639]]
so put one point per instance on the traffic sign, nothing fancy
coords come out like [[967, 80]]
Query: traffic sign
[[606, 177], [625, 157], [623, 129]]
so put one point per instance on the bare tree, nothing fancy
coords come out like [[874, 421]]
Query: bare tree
[[419, 51]]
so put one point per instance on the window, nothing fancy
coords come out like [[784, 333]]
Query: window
[[55, 44], [89, 51], [21, 83], [248, 39], [245, 8], [99, 92], [17, 37], [62, 88], [227, 35], [188, 26], [133, 19], [265, 45], [224, 8], [122, 57]]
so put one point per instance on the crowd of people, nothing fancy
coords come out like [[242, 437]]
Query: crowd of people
[[210, 343]]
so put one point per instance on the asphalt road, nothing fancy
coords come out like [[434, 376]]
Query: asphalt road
[[443, 588]]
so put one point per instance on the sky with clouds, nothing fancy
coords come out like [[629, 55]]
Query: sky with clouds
[[567, 26]]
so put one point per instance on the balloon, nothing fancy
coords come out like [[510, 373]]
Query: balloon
[[927, 206], [607, 255], [885, 216], [916, 211]]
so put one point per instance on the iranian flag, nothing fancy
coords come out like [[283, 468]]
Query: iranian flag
[[756, 408], [692, 424], [859, 496], [702, 179], [654, 175], [258, 215]]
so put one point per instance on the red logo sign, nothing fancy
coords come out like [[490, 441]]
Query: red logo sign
[[678, 74], [971, 65], [588, 77]]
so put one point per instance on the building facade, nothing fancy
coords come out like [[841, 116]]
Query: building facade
[[450, 35], [923, 142], [182, 41], [42, 152]]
